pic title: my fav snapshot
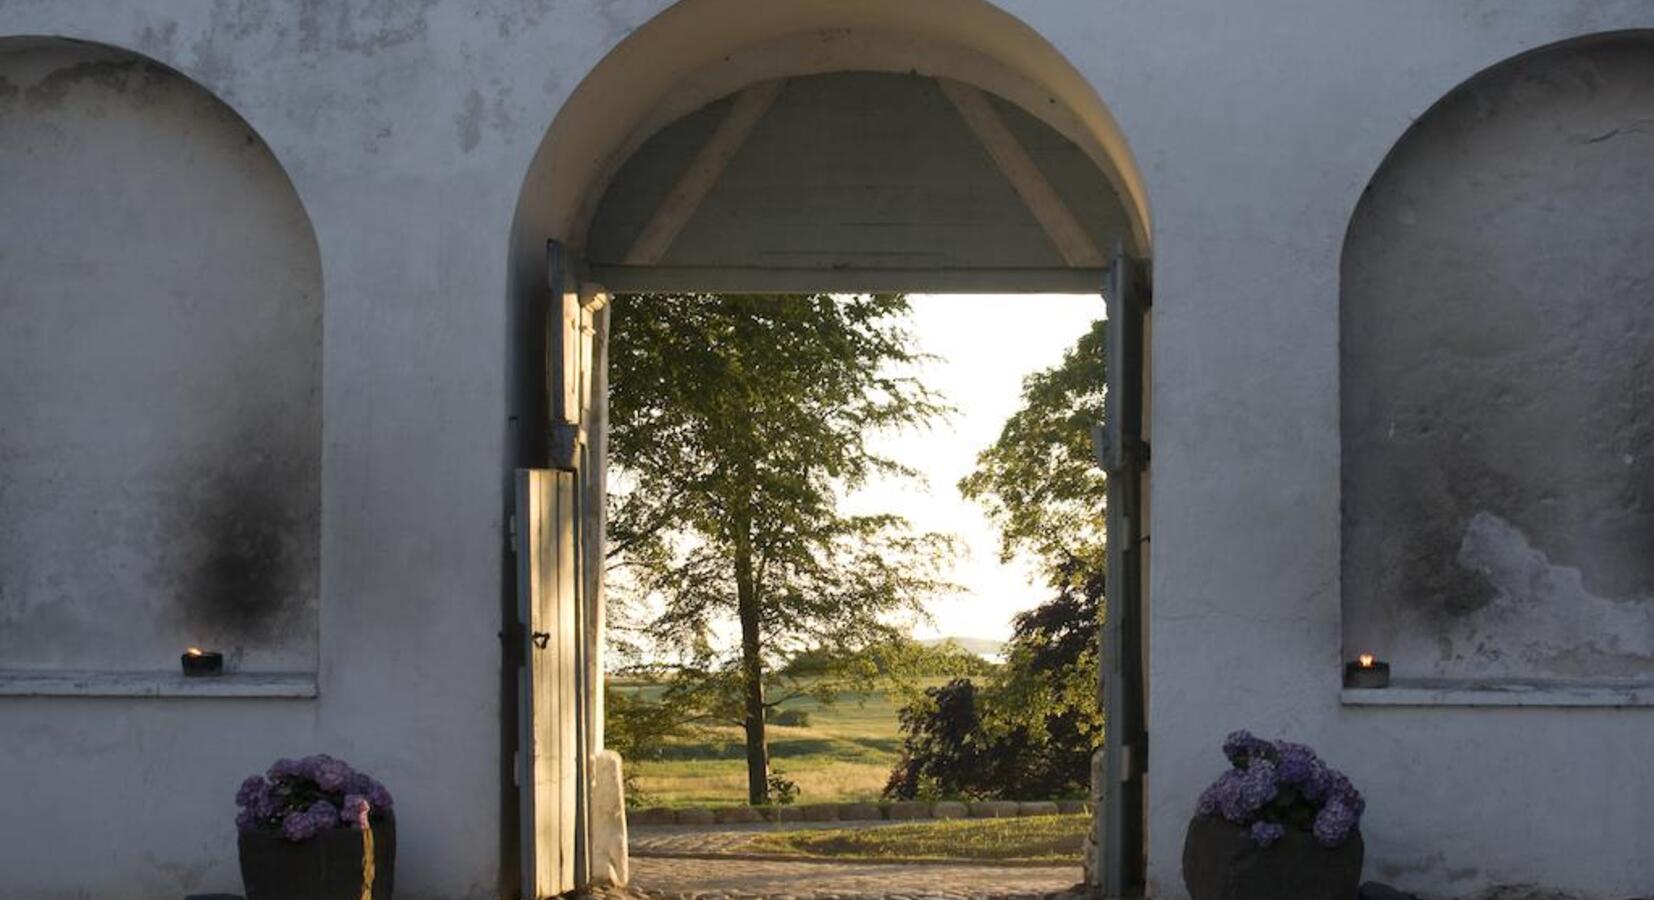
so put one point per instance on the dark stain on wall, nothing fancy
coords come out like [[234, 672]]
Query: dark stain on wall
[[112, 76], [253, 573]]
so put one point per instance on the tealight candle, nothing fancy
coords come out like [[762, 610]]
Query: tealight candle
[[198, 662], [1366, 671]]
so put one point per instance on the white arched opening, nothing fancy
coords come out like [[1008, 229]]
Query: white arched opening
[[647, 181]]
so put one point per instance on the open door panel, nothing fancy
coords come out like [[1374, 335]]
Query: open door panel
[[548, 604]]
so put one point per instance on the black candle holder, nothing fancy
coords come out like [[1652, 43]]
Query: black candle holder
[[201, 663], [1368, 673]]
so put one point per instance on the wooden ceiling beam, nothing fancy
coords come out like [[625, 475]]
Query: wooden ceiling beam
[[703, 173], [1047, 206]]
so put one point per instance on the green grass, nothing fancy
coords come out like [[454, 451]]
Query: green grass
[[845, 755], [1052, 839]]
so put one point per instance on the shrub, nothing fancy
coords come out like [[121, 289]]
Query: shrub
[[791, 718], [1029, 732]]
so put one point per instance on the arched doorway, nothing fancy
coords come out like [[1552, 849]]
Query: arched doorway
[[822, 146]]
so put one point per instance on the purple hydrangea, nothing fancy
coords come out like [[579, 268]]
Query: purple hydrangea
[[252, 790], [330, 774], [372, 790], [354, 811], [285, 768], [1266, 833], [302, 825], [1272, 785], [1334, 823], [1241, 748], [301, 798]]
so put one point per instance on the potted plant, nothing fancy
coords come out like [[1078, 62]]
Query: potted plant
[[1279, 823], [316, 829]]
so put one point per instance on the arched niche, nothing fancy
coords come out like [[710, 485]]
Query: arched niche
[[160, 373], [1497, 362]]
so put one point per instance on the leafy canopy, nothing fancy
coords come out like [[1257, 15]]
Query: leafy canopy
[[738, 426], [744, 419], [1039, 481], [1029, 728]]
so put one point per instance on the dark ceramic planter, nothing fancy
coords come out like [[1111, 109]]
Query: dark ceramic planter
[[326, 867], [1220, 862]]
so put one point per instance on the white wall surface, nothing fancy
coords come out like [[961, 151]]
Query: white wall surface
[[408, 128]]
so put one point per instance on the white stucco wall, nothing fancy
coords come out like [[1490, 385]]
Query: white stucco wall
[[408, 128]]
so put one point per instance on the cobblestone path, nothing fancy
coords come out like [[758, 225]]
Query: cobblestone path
[[687, 862]]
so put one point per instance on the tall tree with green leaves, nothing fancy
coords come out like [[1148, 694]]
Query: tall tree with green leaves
[[1031, 728], [1040, 481], [738, 426]]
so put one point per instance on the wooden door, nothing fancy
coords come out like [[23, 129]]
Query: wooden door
[[548, 607], [560, 564]]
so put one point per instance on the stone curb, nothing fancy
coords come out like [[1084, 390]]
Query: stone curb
[[853, 812], [841, 861]]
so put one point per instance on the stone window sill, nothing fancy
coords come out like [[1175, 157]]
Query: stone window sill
[[1503, 692], [22, 683]]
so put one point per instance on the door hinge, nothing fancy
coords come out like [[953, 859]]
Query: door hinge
[[511, 531], [516, 768], [1134, 760]]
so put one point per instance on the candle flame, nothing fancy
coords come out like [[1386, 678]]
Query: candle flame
[[194, 651], [1366, 660]]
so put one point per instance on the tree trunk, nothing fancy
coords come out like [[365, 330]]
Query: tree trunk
[[752, 665]]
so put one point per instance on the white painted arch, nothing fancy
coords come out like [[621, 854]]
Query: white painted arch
[[698, 51]]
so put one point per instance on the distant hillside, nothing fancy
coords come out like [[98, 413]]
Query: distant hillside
[[983, 647]]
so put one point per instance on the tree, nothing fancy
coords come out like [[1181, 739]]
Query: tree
[[1040, 481], [738, 424], [1030, 730], [1031, 727]]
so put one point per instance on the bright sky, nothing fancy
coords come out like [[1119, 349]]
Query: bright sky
[[986, 344]]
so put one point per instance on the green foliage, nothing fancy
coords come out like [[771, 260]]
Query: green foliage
[[1039, 481], [639, 730], [898, 659], [1031, 728], [737, 425], [783, 790], [1030, 732], [790, 718]]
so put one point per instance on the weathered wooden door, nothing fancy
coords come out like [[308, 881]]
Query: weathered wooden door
[[1124, 452], [560, 585], [548, 604]]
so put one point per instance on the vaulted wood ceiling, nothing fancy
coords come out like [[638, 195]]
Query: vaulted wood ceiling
[[857, 181]]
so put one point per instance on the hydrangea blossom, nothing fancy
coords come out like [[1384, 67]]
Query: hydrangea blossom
[[1275, 785], [301, 798], [354, 812], [1266, 833]]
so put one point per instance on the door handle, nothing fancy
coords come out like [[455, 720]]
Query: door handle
[[541, 639]]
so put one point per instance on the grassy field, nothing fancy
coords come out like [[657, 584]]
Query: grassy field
[[1035, 838], [845, 754]]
